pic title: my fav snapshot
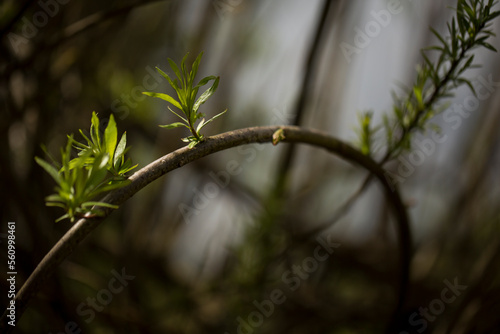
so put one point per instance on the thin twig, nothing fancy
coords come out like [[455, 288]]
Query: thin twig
[[63, 35]]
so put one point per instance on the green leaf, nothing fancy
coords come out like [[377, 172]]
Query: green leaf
[[418, 95], [165, 97], [172, 83], [173, 125], [445, 45], [205, 80], [79, 145], [203, 124], [90, 144], [64, 217], [94, 130], [194, 68], [109, 187], [469, 11], [97, 174], [200, 125], [111, 137], [493, 15], [184, 71], [204, 97], [54, 198], [103, 204], [126, 167], [120, 150], [53, 172], [84, 160], [467, 65], [176, 114], [174, 67], [468, 83], [366, 132], [189, 139], [489, 46]]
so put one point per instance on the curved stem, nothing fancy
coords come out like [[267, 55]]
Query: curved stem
[[67, 244]]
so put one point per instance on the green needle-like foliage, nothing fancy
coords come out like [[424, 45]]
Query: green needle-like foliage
[[99, 168], [435, 80], [187, 102]]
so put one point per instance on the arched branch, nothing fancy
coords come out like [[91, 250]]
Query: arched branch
[[291, 134]]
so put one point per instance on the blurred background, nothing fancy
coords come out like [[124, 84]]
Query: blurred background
[[214, 252]]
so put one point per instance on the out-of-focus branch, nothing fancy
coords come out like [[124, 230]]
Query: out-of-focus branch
[[76, 28], [305, 89], [94, 19]]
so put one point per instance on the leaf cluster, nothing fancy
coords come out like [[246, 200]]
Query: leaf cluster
[[96, 146], [186, 94], [99, 167], [437, 79]]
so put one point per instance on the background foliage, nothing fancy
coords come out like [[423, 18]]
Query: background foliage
[[199, 260]]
